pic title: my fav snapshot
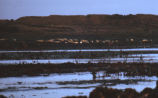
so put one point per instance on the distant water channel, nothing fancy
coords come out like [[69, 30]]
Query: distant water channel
[[86, 50], [145, 55]]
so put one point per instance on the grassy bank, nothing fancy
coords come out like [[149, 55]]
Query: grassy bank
[[131, 69]]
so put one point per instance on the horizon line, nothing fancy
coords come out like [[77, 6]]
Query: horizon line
[[79, 15]]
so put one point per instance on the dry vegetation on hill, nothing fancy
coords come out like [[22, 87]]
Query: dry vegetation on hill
[[104, 27]]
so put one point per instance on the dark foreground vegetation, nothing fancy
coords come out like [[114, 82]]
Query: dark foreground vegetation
[[131, 69], [2, 96], [104, 92]]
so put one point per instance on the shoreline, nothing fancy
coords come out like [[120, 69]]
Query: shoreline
[[131, 69], [69, 48]]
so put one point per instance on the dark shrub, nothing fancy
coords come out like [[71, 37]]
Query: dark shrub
[[105, 93], [129, 93], [2, 96]]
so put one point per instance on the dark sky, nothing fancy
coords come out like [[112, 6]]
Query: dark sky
[[13, 9]]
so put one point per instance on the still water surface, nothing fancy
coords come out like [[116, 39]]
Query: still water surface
[[81, 83], [145, 55], [69, 84]]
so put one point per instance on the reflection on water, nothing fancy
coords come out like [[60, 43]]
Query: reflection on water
[[82, 83], [59, 85], [88, 55], [86, 50], [146, 59]]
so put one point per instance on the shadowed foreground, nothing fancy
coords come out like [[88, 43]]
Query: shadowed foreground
[[104, 92]]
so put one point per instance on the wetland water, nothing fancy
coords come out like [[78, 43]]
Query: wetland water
[[69, 84], [80, 83], [145, 55]]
